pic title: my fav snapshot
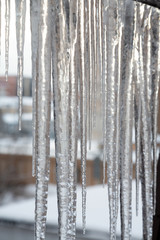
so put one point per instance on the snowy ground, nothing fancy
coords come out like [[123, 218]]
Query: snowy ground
[[97, 210]]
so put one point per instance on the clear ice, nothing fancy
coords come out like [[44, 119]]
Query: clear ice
[[20, 29], [107, 48], [7, 26], [43, 117]]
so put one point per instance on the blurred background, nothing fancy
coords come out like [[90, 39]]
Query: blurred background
[[17, 186]]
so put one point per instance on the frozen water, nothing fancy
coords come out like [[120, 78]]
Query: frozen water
[[112, 44], [20, 29]]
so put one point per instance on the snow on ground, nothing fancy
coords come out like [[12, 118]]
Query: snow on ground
[[97, 210]]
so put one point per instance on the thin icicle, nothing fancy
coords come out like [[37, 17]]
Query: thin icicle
[[61, 69], [0, 24], [155, 61], [120, 32], [104, 89], [34, 16], [73, 115], [83, 110], [126, 124], [99, 48], [7, 26], [43, 118], [90, 36], [20, 30], [137, 102], [94, 61], [147, 52]]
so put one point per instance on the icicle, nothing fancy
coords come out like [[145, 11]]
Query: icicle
[[112, 166], [94, 60], [104, 88], [137, 101], [126, 124], [34, 7], [120, 32], [147, 52], [73, 114], [155, 87], [43, 117], [20, 29], [0, 25], [7, 25], [146, 128], [83, 110], [99, 48], [61, 69], [146, 161], [90, 37]]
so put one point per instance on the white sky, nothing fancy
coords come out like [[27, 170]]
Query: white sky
[[13, 45]]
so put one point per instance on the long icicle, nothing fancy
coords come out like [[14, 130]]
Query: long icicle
[[120, 32], [83, 110], [7, 26], [73, 115], [61, 68], [104, 88], [126, 124], [112, 47], [155, 61], [34, 16], [43, 118], [90, 105], [20, 30], [137, 102], [146, 158], [94, 60], [0, 25]]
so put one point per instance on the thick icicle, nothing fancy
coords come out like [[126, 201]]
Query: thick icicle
[[146, 158], [34, 16], [126, 124], [61, 69], [73, 115], [20, 29], [83, 110], [7, 25], [112, 166], [155, 63], [43, 117]]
